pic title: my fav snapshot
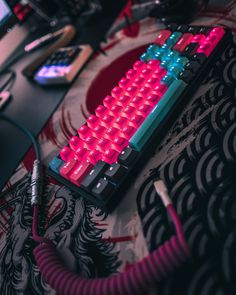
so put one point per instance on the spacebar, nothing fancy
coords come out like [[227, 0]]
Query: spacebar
[[145, 131]]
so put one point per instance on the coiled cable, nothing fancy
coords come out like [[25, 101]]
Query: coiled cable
[[156, 266]]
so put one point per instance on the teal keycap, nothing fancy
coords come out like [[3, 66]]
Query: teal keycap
[[145, 57], [167, 55], [145, 131], [164, 64], [167, 79], [158, 55], [175, 71], [173, 55], [56, 164], [182, 60], [152, 49], [173, 39]]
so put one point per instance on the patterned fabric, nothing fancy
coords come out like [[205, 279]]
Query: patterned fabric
[[195, 159]]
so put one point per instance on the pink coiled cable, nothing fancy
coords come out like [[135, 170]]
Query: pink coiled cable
[[136, 280]]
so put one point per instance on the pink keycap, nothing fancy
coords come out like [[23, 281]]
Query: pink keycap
[[127, 132], [144, 91], [206, 48], [66, 153], [83, 131], [131, 74], [110, 156], [124, 82], [136, 121], [128, 111], [136, 101], [139, 65], [199, 38], [90, 142], [152, 99], [103, 144], [111, 133], [153, 64], [92, 121], [107, 120], [152, 82], [109, 101], [116, 92], [81, 153], [183, 42], [115, 110], [123, 100], [98, 131], [94, 156], [68, 167], [218, 31], [159, 73], [100, 111], [144, 110], [160, 89], [130, 91], [120, 122], [75, 142], [119, 143], [79, 172], [145, 73], [162, 37], [138, 81]]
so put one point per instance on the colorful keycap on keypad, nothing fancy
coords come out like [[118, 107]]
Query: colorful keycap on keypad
[[104, 153]]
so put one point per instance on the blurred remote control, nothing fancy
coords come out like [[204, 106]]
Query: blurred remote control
[[63, 65]]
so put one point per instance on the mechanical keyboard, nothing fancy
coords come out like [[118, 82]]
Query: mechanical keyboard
[[100, 161]]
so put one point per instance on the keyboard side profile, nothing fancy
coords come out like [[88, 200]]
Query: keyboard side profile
[[107, 152]]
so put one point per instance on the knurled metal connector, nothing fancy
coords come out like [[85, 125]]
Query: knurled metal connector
[[36, 183]]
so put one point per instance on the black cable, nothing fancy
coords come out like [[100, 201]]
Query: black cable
[[8, 83], [25, 131], [36, 176], [14, 59]]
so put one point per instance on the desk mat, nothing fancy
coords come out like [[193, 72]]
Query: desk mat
[[194, 157]]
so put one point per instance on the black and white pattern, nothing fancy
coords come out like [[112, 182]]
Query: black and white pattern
[[200, 171], [71, 228]]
